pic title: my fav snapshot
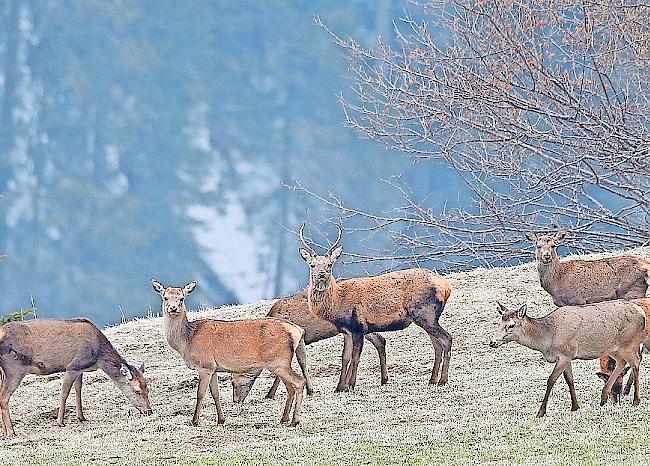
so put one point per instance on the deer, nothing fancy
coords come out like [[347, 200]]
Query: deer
[[296, 309], [241, 346], [74, 346], [388, 302], [616, 328], [574, 282]]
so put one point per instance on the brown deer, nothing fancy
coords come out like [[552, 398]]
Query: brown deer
[[296, 309], [239, 346], [359, 306], [574, 282], [616, 328], [75, 346]]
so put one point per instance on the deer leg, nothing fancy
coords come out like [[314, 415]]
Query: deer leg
[[295, 387], [301, 356], [441, 340], [628, 384], [289, 403], [345, 362], [568, 376], [446, 341], [357, 347], [379, 343], [630, 379], [637, 396], [214, 390], [77, 388], [560, 367], [204, 381], [10, 382], [437, 348], [274, 388], [620, 365], [68, 380]]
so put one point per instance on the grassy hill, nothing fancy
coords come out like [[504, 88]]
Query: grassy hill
[[485, 414]]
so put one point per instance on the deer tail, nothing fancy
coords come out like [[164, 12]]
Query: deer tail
[[646, 267]]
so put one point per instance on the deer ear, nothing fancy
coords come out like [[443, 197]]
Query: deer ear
[[501, 308], [530, 235], [126, 372], [521, 312], [559, 236], [157, 286], [306, 255], [336, 253], [191, 286]]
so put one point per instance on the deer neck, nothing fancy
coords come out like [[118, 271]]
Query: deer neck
[[110, 361], [178, 331], [548, 273], [536, 334], [323, 303]]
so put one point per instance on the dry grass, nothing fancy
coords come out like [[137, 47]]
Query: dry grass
[[485, 414]]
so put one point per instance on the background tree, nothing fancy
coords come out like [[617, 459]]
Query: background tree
[[541, 108]]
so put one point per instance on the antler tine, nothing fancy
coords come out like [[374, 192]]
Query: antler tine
[[338, 239], [302, 238]]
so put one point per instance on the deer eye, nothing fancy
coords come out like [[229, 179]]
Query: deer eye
[[510, 327]]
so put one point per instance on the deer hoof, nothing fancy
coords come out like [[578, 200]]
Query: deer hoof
[[294, 423]]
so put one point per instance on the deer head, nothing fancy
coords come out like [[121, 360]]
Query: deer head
[[546, 245], [320, 267], [173, 299], [510, 327], [133, 384]]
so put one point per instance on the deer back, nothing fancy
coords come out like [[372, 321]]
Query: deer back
[[242, 345], [384, 301], [598, 280], [594, 329], [50, 346], [296, 309]]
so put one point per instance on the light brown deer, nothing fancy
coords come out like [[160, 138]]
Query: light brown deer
[[392, 301], [296, 309], [75, 346], [574, 282], [239, 346], [616, 328]]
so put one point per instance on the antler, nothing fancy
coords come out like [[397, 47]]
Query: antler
[[338, 240], [302, 238]]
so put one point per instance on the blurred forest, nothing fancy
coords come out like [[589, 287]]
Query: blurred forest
[[143, 139]]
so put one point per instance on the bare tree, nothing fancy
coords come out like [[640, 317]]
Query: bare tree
[[540, 106]]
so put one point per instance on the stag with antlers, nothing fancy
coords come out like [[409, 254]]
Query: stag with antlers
[[387, 302]]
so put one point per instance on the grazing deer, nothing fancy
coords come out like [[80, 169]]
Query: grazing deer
[[239, 346], [75, 346], [296, 309], [608, 364], [575, 282], [359, 306], [616, 328]]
